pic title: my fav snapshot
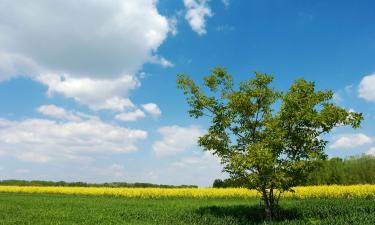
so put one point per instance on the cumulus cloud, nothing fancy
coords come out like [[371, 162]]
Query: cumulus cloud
[[57, 112], [44, 140], [152, 109], [88, 38], [131, 116], [96, 93], [197, 13], [115, 103], [176, 139], [86, 50], [366, 88], [351, 140]]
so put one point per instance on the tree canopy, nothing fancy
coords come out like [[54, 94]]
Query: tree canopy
[[267, 139]]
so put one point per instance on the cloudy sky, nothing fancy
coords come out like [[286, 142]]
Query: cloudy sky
[[88, 93]]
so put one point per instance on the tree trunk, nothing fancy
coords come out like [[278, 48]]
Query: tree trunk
[[268, 206], [269, 214]]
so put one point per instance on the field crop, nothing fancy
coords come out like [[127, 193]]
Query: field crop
[[43, 209], [82, 205], [332, 191]]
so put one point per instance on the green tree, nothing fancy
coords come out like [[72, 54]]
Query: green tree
[[218, 183], [265, 138], [352, 170]]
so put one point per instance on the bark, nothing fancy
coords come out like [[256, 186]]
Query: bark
[[269, 203]]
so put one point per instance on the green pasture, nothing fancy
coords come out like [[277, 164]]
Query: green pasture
[[39, 209]]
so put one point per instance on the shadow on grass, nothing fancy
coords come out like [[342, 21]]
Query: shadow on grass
[[245, 215]]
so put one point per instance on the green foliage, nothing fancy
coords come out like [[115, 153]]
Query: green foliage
[[83, 184], [43, 209], [352, 170], [227, 183], [267, 146], [348, 171]]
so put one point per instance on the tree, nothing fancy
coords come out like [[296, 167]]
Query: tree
[[218, 183], [265, 138], [358, 169]]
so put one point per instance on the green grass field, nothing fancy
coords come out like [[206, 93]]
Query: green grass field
[[38, 209]]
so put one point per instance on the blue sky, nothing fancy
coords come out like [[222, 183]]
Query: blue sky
[[88, 93]]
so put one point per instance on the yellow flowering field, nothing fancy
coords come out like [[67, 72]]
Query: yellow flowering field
[[333, 191]]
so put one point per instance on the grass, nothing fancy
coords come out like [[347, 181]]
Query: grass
[[18, 209]]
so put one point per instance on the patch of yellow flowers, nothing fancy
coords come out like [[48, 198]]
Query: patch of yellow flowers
[[332, 191]]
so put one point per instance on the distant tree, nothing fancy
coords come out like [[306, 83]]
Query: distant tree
[[218, 183], [351, 170], [227, 183], [265, 138]]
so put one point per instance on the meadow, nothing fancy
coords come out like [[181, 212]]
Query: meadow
[[22, 208], [68, 205]]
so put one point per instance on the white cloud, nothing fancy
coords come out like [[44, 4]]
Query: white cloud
[[14, 65], [340, 95], [34, 157], [337, 98], [176, 139], [352, 110], [351, 140], [197, 161], [197, 11], [42, 140], [57, 112], [225, 2], [115, 103], [131, 116], [87, 38], [371, 151], [97, 94], [173, 25], [366, 88], [117, 170], [152, 109], [86, 50], [201, 170], [155, 59]]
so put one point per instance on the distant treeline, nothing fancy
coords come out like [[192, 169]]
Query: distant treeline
[[352, 170], [83, 184]]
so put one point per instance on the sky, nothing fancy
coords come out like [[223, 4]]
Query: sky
[[88, 88]]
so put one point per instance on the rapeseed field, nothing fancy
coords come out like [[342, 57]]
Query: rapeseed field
[[331, 191]]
